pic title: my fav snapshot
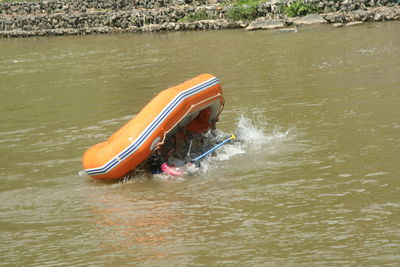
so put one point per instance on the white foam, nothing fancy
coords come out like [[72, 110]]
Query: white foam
[[252, 136], [255, 131]]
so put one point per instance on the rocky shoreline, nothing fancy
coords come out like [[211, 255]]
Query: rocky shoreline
[[69, 17]]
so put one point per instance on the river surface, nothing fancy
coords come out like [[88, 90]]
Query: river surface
[[314, 179]]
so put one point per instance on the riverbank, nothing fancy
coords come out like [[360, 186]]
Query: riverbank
[[53, 18]]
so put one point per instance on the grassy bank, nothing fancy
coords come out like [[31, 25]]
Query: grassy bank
[[247, 10]]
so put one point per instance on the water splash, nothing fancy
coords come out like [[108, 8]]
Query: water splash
[[253, 135], [256, 131], [250, 131]]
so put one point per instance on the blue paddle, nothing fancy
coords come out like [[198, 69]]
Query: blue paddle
[[214, 148], [177, 171]]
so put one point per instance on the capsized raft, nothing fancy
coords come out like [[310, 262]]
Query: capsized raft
[[194, 105]]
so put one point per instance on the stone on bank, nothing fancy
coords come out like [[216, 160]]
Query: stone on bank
[[309, 19], [265, 25]]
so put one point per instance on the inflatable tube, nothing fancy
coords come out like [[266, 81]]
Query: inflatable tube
[[195, 105], [176, 172]]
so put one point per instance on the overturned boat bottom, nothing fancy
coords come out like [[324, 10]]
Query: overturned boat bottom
[[170, 128]]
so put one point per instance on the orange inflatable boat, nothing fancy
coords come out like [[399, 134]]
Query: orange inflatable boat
[[194, 104]]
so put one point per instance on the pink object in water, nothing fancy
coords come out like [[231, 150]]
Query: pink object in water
[[172, 170]]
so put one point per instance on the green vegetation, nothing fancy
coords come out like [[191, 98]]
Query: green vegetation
[[247, 9], [237, 10], [242, 13], [198, 15], [243, 9], [299, 8]]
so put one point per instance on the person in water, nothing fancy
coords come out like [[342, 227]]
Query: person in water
[[160, 156], [180, 148], [174, 153], [159, 165]]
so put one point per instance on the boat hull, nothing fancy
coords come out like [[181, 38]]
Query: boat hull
[[195, 104]]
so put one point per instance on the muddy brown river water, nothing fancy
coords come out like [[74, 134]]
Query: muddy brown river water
[[314, 180]]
